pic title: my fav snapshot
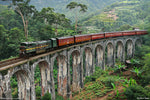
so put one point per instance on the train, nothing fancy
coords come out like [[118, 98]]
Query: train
[[37, 47]]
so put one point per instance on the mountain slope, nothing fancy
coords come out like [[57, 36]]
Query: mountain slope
[[60, 6], [128, 13]]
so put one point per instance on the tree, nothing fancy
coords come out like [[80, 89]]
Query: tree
[[60, 20], [46, 15], [25, 10], [75, 5], [49, 17]]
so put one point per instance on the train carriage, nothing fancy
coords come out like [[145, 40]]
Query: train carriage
[[82, 38], [97, 36], [62, 41], [127, 33], [141, 32], [112, 34]]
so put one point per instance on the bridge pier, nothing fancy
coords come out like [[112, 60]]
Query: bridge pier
[[76, 84], [88, 62], [130, 47], [99, 56], [62, 75], [110, 55]]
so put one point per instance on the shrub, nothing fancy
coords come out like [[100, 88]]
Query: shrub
[[98, 72], [137, 71], [145, 80], [58, 97], [136, 91], [47, 96], [135, 61]]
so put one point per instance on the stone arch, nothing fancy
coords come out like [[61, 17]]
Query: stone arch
[[129, 48], [99, 54], [76, 70], [119, 50], [110, 54], [44, 66], [24, 81]]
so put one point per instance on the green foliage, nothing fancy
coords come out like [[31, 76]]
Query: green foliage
[[55, 72], [134, 61], [145, 80], [147, 63], [58, 97], [38, 91], [14, 86], [133, 92], [37, 82], [98, 72], [114, 86], [137, 71], [132, 82], [47, 96]]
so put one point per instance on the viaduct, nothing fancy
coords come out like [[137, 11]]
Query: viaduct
[[84, 58]]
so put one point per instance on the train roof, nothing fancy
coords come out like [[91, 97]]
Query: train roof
[[35, 42], [64, 37], [82, 35], [28, 42], [97, 33]]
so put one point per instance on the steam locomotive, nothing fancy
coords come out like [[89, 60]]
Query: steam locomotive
[[33, 48]]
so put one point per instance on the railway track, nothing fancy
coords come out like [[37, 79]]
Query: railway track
[[10, 61]]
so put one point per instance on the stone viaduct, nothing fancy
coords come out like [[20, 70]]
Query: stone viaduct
[[81, 58]]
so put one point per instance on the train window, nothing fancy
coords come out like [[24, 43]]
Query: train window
[[23, 44]]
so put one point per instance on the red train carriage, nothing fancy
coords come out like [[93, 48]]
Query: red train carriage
[[112, 34], [96, 36], [141, 32], [82, 38], [62, 41], [125, 33]]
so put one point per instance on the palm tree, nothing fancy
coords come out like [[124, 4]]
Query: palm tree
[[75, 5]]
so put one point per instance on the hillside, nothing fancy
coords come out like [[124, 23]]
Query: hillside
[[128, 13], [94, 6]]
